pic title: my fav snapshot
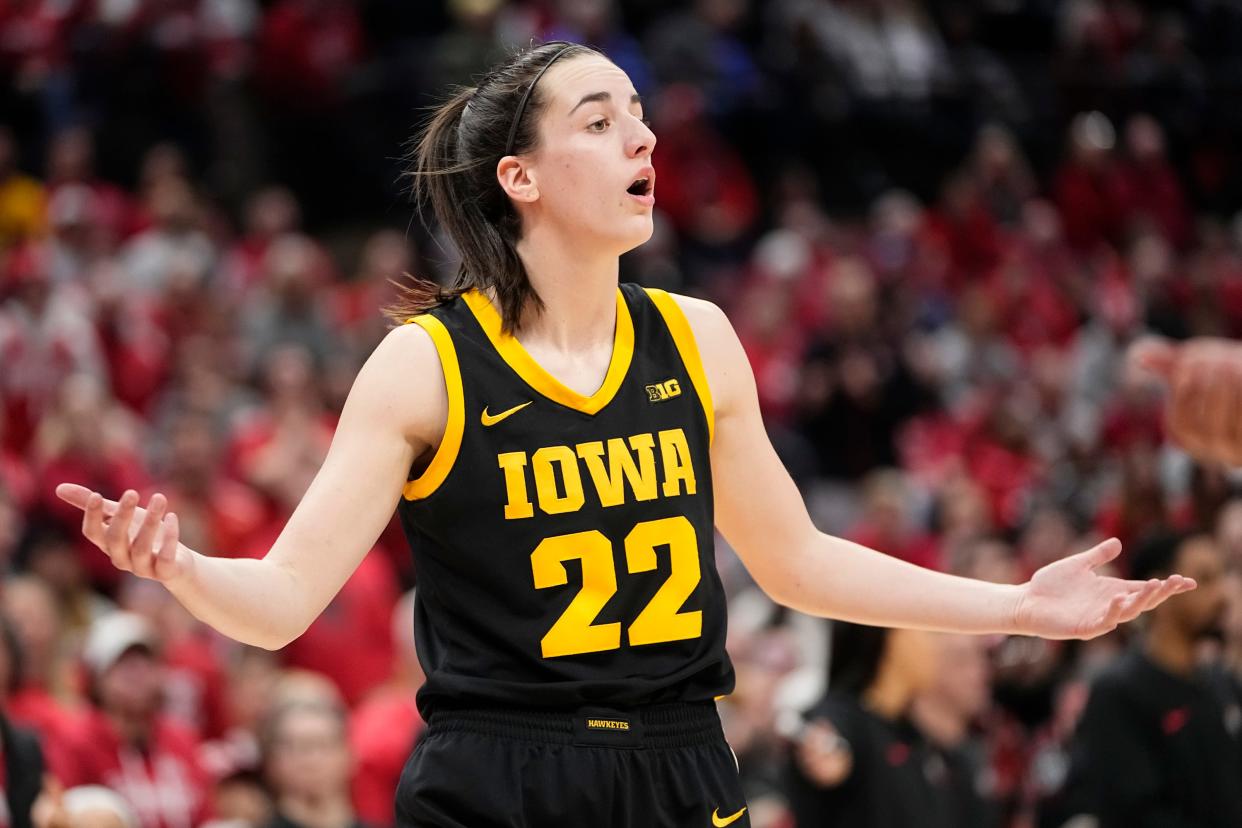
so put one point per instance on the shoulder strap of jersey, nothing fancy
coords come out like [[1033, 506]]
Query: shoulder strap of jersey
[[683, 338], [450, 443]]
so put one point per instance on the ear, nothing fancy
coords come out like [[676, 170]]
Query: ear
[[517, 179]]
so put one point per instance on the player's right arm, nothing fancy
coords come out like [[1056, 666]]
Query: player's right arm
[[396, 411]]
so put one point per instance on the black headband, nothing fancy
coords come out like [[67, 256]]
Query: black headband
[[521, 107]]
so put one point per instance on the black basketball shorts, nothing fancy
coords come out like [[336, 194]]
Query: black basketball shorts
[[662, 766]]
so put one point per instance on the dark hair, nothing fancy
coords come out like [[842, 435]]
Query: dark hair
[[453, 166], [1156, 555], [857, 650]]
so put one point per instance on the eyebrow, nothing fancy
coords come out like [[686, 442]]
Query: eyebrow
[[602, 96]]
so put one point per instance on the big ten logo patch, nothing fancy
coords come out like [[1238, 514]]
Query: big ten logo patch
[[662, 391]]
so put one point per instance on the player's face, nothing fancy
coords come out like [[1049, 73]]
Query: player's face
[[593, 147]]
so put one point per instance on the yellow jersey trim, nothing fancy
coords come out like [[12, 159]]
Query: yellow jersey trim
[[534, 375], [683, 337], [442, 462]]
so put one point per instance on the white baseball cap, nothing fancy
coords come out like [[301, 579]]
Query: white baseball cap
[[114, 634]]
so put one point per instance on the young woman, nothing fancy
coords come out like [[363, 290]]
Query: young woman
[[559, 448]]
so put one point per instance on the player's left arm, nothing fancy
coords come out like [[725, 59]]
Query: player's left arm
[[761, 513]]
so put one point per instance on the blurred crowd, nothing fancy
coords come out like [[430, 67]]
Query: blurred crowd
[[936, 227]]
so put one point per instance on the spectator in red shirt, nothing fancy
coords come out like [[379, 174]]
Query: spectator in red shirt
[[887, 521], [385, 726], [270, 214], [45, 338], [307, 50], [360, 612], [88, 436], [71, 164], [1088, 189], [1150, 186], [705, 187], [962, 224], [42, 697], [132, 746], [193, 656]]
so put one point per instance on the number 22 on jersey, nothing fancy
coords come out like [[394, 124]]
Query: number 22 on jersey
[[661, 620]]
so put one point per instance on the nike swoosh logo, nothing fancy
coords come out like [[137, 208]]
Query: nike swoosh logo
[[492, 419], [720, 821]]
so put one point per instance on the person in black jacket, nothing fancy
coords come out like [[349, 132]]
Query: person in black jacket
[[859, 761], [1158, 745]]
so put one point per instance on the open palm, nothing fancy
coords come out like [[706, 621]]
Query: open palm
[[1068, 599]]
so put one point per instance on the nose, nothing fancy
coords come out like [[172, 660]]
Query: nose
[[642, 140]]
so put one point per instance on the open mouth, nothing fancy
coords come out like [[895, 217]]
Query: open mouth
[[640, 187]]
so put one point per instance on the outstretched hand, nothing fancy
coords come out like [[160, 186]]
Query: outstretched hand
[[138, 540], [1068, 599]]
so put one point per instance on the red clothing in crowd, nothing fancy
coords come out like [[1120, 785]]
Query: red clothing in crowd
[[16, 478], [1150, 189], [705, 186], [306, 50], [137, 352], [60, 729], [382, 732], [111, 208], [195, 687], [971, 239], [1006, 476], [351, 640], [917, 548], [221, 520], [1092, 204], [164, 783], [34, 36], [1034, 311]]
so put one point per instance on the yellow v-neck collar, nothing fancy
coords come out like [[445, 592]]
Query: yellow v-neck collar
[[512, 352]]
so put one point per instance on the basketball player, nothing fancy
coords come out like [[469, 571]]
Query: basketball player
[[559, 448]]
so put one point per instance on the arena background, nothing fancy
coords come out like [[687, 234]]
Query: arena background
[[936, 228]]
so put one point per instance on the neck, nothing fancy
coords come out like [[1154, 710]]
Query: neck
[[938, 721], [578, 287], [889, 695], [1170, 648], [319, 810]]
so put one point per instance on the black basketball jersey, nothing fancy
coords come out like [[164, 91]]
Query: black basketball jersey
[[563, 544]]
